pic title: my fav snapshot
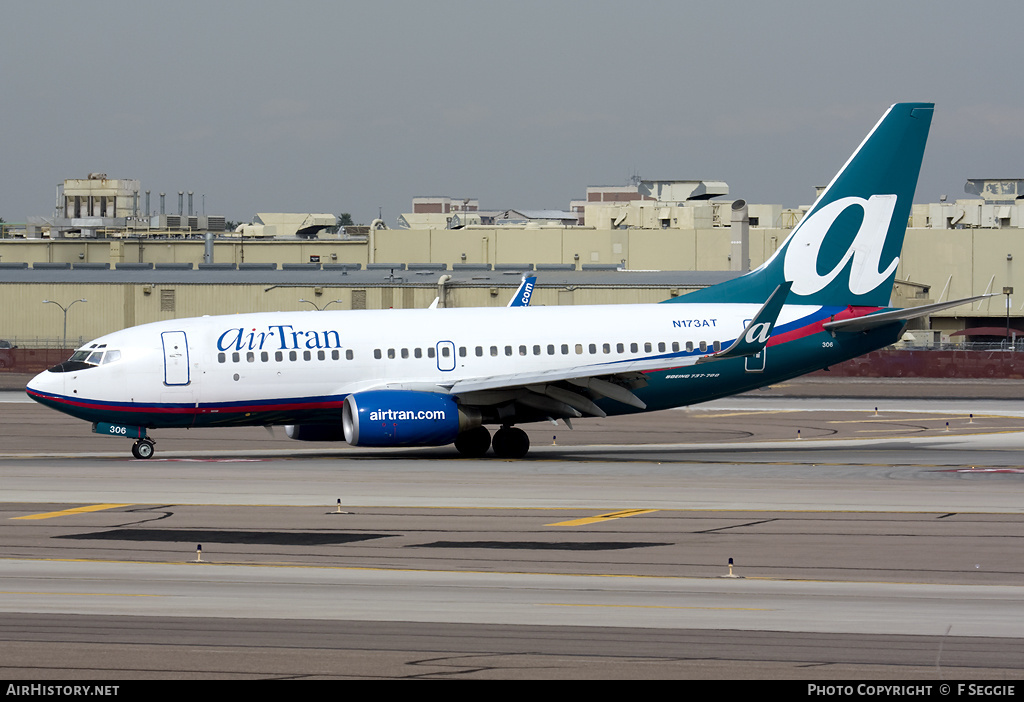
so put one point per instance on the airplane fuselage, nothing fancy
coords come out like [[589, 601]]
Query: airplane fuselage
[[298, 367]]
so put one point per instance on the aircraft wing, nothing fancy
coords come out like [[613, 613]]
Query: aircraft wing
[[571, 396], [871, 321], [573, 372], [570, 391]]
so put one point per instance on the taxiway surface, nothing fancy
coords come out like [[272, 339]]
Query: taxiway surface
[[882, 545]]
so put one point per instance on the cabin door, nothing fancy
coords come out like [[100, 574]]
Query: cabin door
[[175, 358]]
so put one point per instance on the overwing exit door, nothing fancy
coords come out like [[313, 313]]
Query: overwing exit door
[[445, 356]]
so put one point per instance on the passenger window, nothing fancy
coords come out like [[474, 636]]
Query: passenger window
[[430, 352], [250, 356], [689, 347], [235, 357], [479, 350], [536, 350], [335, 355], [391, 353], [633, 348], [607, 348], [718, 346], [675, 346], [647, 347], [508, 350], [522, 350], [551, 349], [446, 352], [264, 356], [376, 353], [278, 356], [593, 348], [418, 352], [221, 358], [348, 354], [661, 347], [565, 349], [620, 348], [293, 355], [307, 356], [462, 351], [321, 355], [703, 346], [494, 350], [405, 353]]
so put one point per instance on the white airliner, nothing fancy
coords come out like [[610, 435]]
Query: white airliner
[[432, 377]]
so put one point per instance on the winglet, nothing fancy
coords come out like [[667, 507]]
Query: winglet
[[755, 337], [524, 293]]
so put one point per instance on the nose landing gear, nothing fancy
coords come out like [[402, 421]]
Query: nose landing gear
[[143, 448]]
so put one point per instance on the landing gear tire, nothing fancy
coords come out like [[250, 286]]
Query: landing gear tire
[[473, 443], [143, 448], [510, 442]]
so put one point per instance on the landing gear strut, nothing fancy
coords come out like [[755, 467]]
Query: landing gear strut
[[510, 442], [143, 448]]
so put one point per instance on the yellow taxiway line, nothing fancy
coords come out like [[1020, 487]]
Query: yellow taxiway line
[[604, 517], [74, 510]]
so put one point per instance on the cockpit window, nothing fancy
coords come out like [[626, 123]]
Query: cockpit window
[[87, 358]]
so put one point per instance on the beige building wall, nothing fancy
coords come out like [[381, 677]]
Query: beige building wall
[[950, 263], [114, 251], [109, 308]]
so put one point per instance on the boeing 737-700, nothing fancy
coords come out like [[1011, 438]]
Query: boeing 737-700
[[431, 377]]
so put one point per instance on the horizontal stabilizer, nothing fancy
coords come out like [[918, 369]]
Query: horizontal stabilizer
[[872, 321]]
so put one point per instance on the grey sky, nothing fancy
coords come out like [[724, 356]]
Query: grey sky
[[340, 106]]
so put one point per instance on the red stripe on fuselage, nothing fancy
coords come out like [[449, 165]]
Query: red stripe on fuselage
[[268, 406], [819, 325]]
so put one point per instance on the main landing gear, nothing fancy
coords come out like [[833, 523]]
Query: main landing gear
[[508, 442]]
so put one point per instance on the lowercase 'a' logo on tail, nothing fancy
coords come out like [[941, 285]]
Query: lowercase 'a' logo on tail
[[801, 262]]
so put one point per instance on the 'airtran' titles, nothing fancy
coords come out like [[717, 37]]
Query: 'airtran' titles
[[278, 337]]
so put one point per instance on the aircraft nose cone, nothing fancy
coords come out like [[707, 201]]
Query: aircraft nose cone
[[44, 384]]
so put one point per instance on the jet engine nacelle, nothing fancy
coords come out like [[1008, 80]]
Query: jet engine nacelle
[[314, 432], [404, 418]]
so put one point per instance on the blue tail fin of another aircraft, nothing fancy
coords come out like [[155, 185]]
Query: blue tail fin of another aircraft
[[846, 248], [524, 293]]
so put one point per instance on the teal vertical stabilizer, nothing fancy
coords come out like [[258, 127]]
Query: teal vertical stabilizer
[[846, 248]]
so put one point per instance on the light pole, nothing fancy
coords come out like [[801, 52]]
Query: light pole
[[65, 310], [318, 307], [1008, 291]]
